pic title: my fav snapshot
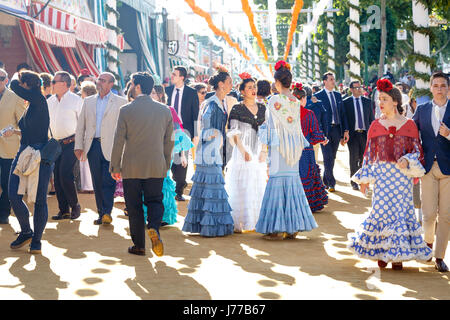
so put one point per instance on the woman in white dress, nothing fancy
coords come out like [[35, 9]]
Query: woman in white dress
[[246, 172], [88, 88]]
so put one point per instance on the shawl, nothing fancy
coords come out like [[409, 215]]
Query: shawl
[[286, 118]]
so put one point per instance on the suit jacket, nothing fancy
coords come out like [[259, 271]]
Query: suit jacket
[[433, 146], [12, 108], [322, 96], [87, 124], [143, 140], [349, 108], [189, 108]]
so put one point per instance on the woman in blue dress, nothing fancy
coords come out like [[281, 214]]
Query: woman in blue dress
[[285, 209], [209, 212], [392, 159]]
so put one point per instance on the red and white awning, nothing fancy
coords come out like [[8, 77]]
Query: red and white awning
[[63, 29]]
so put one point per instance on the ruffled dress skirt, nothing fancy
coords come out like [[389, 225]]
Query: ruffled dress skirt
[[312, 182], [285, 207], [209, 212], [391, 232], [245, 183]]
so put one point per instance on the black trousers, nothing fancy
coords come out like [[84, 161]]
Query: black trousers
[[329, 152], [65, 188], [356, 146], [138, 192], [179, 173]]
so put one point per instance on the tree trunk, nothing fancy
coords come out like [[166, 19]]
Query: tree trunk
[[383, 39]]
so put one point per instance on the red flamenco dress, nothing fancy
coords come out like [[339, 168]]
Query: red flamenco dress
[[309, 170]]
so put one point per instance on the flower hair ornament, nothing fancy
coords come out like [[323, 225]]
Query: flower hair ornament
[[297, 85], [283, 64], [221, 68], [384, 85], [245, 75]]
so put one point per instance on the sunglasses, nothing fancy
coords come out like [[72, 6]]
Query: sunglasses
[[202, 93], [54, 81], [2, 78]]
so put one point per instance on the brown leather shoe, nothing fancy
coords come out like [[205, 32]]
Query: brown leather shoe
[[397, 266], [136, 250], [157, 245], [382, 264]]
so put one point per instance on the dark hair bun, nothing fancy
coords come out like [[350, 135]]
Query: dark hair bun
[[284, 75], [218, 77]]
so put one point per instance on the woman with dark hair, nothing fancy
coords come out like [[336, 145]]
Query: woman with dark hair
[[285, 209], [182, 143], [159, 94], [209, 210], [245, 178], [392, 159], [263, 91], [309, 170], [33, 126]]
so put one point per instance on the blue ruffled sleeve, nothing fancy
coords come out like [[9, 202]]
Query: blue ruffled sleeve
[[182, 142]]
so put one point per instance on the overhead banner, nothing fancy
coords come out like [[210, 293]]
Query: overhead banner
[[79, 8]]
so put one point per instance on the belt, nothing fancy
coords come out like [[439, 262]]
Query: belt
[[67, 140], [335, 125], [360, 131], [98, 139]]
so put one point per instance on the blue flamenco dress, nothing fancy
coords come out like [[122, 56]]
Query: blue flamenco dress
[[181, 143], [285, 207], [209, 212], [391, 232]]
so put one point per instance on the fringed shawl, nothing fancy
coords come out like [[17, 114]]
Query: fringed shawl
[[285, 114]]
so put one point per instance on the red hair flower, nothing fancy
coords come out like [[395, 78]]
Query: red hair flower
[[283, 64], [221, 68], [245, 75], [384, 85], [297, 85]]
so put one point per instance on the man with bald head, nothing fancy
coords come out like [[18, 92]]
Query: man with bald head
[[11, 110], [94, 140]]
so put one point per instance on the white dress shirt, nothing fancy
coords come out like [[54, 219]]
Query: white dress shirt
[[174, 94], [355, 106], [64, 114], [437, 115]]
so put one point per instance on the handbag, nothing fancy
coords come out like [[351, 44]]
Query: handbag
[[51, 151]]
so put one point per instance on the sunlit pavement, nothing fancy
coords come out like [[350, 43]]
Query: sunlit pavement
[[82, 261]]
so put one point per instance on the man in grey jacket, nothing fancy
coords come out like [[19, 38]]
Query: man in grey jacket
[[141, 156]]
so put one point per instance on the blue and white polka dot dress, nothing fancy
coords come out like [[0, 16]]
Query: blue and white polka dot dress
[[391, 232]]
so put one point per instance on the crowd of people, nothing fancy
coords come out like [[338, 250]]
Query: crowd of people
[[254, 147]]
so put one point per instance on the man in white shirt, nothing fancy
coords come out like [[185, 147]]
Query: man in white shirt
[[359, 114], [184, 100], [64, 108], [433, 121]]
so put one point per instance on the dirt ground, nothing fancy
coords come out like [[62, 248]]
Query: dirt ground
[[82, 261]]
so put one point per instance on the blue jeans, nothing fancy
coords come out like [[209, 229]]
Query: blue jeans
[[104, 184], [5, 205], [40, 207]]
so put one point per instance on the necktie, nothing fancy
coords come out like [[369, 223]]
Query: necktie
[[176, 104], [334, 108], [437, 114], [358, 110]]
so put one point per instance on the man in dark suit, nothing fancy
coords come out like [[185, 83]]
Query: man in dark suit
[[184, 100], [433, 121], [336, 128], [359, 114]]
